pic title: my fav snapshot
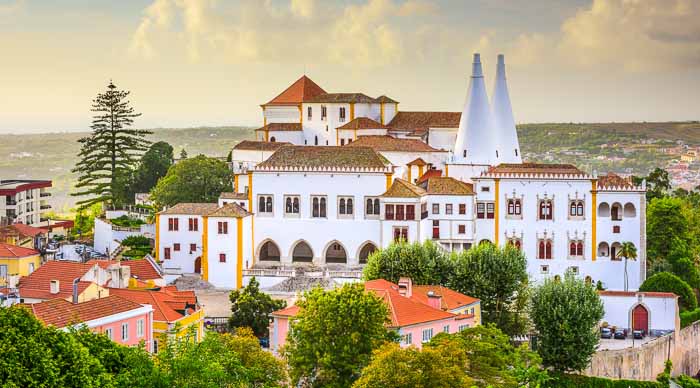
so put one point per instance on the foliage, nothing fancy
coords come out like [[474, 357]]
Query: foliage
[[686, 382], [668, 282], [262, 368], [251, 308], [85, 219], [423, 263], [689, 317], [153, 166], [440, 366], [198, 179], [681, 262], [334, 334], [183, 154], [126, 222], [111, 150], [666, 226], [658, 183], [560, 380], [566, 314], [498, 277], [629, 252], [137, 241]]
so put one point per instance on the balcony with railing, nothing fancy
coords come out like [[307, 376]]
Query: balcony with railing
[[45, 207], [44, 194]]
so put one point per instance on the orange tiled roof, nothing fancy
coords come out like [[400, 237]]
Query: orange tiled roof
[[168, 305], [230, 210], [15, 252], [232, 195], [362, 123], [613, 180], [200, 209], [429, 174], [27, 230], [534, 168], [451, 299], [417, 162], [61, 313], [284, 127], [419, 122], [403, 310], [252, 145], [360, 98], [325, 157], [302, 90], [447, 186], [403, 189], [38, 284], [393, 144], [141, 268], [287, 311], [650, 294]]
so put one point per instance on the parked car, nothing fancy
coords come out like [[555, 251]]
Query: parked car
[[605, 333], [620, 334], [638, 334]]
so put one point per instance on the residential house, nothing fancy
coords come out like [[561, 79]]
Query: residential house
[[16, 261], [23, 201]]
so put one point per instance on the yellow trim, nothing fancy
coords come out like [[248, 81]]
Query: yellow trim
[[409, 173], [352, 111], [301, 115], [354, 137], [381, 113], [250, 192], [447, 170], [157, 237], [239, 252], [205, 248], [496, 208], [594, 193], [235, 183], [267, 135], [420, 171], [388, 179]]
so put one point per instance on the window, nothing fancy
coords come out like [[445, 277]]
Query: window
[[318, 206], [436, 229], [480, 210], [410, 212], [108, 333], [222, 257], [544, 269], [193, 224], [323, 112], [291, 205], [573, 270], [576, 208], [139, 328], [155, 347], [341, 114], [372, 206], [463, 327], [346, 206], [309, 113], [576, 248], [389, 212], [3, 271], [616, 228], [446, 329], [515, 242], [462, 208], [173, 224], [176, 247], [544, 249], [342, 142], [423, 211], [166, 253], [265, 204], [545, 210], [448, 208], [315, 140], [193, 248], [125, 331], [490, 210], [461, 229], [400, 212], [408, 338], [427, 334], [223, 227], [400, 233], [514, 207], [436, 208], [485, 189]]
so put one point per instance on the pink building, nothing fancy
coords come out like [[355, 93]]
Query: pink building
[[416, 317], [123, 321]]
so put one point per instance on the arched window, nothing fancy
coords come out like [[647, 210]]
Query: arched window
[[261, 204], [369, 208], [545, 212], [341, 206], [376, 206], [464, 153], [629, 210], [572, 208], [548, 249], [572, 249], [511, 206], [315, 140], [295, 206], [518, 207], [268, 205], [518, 244], [323, 207], [349, 206], [579, 249], [541, 251], [288, 207], [579, 209], [315, 209], [272, 139]]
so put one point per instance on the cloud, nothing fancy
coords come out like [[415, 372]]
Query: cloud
[[303, 8], [10, 6]]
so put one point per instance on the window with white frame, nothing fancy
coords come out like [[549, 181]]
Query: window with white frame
[[408, 338], [323, 112], [125, 331], [516, 243], [427, 334], [309, 113], [576, 208], [514, 208], [576, 249], [573, 270], [544, 269], [265, 204], [463, 327], [546, 209], [139, 328], [446, 329], [448, 208], [436, 208], [346, 207], [291, 205], [544, 249], [319, 205], [108, 333], [372, 207]]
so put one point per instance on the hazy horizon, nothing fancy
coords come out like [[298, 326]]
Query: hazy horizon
[[204, 63]]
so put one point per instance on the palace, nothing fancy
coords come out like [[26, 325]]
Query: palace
[[331, 177]]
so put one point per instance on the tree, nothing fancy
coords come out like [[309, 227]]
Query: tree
[[251, 308], [423, 263], [334, 335], [498, 277], [153, 166], [682, 264], [668, 282], [183, 154], [658, 183], [629, 252], [198, 179], [111, 150], [440, 366], [566, 314], [666, 222]]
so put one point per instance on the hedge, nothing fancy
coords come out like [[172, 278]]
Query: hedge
[[688, 317], [668, 282], [579, 381]]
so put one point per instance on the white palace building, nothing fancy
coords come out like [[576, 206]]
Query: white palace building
[[333, 176]]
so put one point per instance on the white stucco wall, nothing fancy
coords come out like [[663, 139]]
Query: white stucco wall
[[182, 261], [663, 311]]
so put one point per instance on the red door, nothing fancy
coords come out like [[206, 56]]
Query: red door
[[640, 318], [436, 229], [198, 265]]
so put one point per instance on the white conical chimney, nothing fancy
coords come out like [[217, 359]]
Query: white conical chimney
[[504, 126], [474, 144]]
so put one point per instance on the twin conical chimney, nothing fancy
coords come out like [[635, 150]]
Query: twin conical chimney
[[507, 143], [475, 138]]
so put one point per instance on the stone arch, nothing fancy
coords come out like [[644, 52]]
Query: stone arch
[[301, 252], [603, 249], [616, 211], [644, 312], [629, 210], [366, 248], [604, 209], [268, 251], [335, 253]]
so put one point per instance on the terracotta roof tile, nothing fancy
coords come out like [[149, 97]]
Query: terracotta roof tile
[[287, 311], [360, 123], [141, 268], [403, 189], [231, 195], [163, 301], [61, 313], [386, 100], [417, 162], [450, 299], [315, 157], [14, 251], [613, 180], [342, 98], [200, 209], [405, 311], [392, 144], [649, 294], [429, 174], [252, 145], [38, 284], [302, 90], [281, 127], [419, 122], [230, 210], [447, 186], [26, 230], [534, 168]]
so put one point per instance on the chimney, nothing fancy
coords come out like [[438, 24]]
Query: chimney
[[54, 287], [475, 142], [434, 300], [507, 143], [75, 290], [406, 287]]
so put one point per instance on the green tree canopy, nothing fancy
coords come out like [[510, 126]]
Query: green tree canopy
[[153, 166], [334, 335], [111, 151], [566, 314], [498, 277], [198, 179], [658, 183], [423, 263], [668, 282], [666, 224], [251, 308]]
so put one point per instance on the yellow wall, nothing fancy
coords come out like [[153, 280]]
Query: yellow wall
[[92, 292], [182, 325], [467, 310], [19, 266]]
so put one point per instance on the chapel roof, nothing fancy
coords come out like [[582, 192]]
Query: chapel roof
[[253, 145], [391, 144], [362, 123], [324, 157], [302, 90]]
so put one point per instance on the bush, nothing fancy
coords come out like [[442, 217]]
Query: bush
[[137, 241], [688, 317], [126, 222], [579, 381], [668, 282]]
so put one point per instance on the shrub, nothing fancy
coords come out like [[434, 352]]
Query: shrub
[[579, 381], [137, 241], [126, 222], [688, 317], [668, 282]]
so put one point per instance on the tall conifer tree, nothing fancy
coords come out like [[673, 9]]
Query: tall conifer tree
[[111, 151]]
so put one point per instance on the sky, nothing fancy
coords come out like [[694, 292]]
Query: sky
[[213, 62]]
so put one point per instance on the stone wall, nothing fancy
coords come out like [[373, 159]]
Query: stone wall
[[647, 361]]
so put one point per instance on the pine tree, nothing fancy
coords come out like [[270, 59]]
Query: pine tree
[[183, 154], [111, 151]]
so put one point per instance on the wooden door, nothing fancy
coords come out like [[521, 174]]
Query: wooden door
[[198, 265], [640, 318]]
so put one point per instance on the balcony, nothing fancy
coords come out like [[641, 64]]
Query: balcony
[[45, 194], [11, 203], [45, 207]]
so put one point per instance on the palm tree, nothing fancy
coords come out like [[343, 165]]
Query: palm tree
[[629, 252]]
